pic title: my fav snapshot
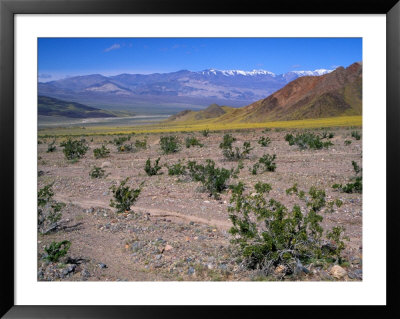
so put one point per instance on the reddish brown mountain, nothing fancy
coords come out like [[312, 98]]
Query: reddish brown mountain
[[334, 94]]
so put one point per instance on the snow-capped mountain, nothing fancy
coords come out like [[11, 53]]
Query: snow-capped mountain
[[182, 88]]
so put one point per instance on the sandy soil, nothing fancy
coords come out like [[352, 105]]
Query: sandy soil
[[175, 231]]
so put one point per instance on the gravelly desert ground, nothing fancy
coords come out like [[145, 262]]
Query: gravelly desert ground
[[177, 232]]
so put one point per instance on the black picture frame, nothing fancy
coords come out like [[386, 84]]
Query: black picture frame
[[8, 8]]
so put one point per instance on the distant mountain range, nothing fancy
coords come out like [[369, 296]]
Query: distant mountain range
[[338, 93], [171, 91]]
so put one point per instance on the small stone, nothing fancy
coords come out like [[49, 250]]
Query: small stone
[[356, 261], [356, 274], [191, 223], [168, 247], [106, 193], [102, 266], [338, 272], [85, 273], [105, 164], [158, 257], [191, 271], [280, 269]]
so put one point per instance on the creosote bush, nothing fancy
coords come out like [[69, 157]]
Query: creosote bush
[[101, 152], [51, 147], [355, 185], [56, 250], [347, 142], [268, 234], [152, 170], [264, 141], [356, 135], [118, 141], [236, 153], [74, 149], [169, 144], [49, 210], [192, 141], [265, 164], [141, 144], [124, 196], [96, 172], [177, 169], [213, 179], [205, 132], [307, 140]]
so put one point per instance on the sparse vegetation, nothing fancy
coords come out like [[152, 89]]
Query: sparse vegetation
[[192, 141], [126, 148], [169, 144], [265, 164], [118, 141], [355, 186], [152, 170], [124, 196], [49, 210], [234, 154], [101, 152], [347, 142], [141, 144], [74, 149], [213, 179], [264, 141], [51, 147], [56, 250], [356, 135], [205, 132], [177, 169], [272, 238], [307, 140], [96, 172]]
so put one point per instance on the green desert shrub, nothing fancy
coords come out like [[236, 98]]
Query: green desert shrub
[[51, 147], [213, 179], [56, 250], [74, 149], [327, 134], [120, 140], [355, 185], [356, 135], [234, 154], [124, 196], [126, 148], [152, 170], [264, 141], [307, 140], [205, 132], [141, 144], [96, 172], [268, 235], [347, 142], [169, 144], [101, 152], [177, 169], [192, 141], [265, 164], [49, 210]]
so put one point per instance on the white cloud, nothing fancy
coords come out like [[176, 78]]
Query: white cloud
[[115, 46]]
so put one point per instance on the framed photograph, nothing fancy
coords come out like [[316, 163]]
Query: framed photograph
[[160, 155]]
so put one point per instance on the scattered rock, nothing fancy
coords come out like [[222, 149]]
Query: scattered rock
[[356, 274], [280, 270], [338, 272], [168, 247], [105, 164], [102, 266], [191, 271]]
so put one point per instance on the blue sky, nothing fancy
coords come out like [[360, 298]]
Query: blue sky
[[64, 57]]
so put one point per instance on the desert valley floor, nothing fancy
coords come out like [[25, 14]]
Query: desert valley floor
[[175, 231]]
